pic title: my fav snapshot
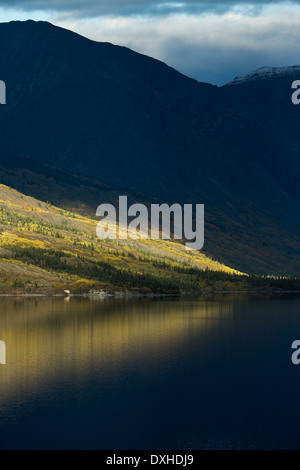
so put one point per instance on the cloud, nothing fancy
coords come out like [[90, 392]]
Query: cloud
[[94, 8], [210, 47]]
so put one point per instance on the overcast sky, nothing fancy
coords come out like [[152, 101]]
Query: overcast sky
[[207, 40]]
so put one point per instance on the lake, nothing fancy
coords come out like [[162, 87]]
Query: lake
[[211, 372]]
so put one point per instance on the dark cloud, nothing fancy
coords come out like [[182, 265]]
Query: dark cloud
[[134, 7], [218, 67], [213, 48]]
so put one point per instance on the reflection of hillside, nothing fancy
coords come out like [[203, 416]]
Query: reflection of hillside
[[48, 340]]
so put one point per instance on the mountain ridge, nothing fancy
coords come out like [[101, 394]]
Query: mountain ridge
[[109, 114], [266, 72]]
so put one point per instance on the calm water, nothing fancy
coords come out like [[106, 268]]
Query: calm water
[[193, 373]]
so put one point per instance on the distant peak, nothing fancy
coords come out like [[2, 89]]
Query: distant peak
[[264, 73], [28, 22], [25, 25]]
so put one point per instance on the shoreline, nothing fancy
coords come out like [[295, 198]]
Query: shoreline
[[148, 295]]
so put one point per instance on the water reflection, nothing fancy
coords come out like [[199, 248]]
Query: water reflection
[[133, 373], [51, 339]]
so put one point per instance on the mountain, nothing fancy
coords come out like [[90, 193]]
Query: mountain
[[45, 249], [265, 73], [64, 189], [110, 115]]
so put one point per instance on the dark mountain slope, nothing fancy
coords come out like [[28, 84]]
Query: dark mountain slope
[[58, 187], [122, 118]]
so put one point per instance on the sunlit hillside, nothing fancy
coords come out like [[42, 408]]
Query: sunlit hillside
[[46, 249]]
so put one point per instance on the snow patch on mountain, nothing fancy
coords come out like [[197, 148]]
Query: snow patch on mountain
[[264, 73]]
